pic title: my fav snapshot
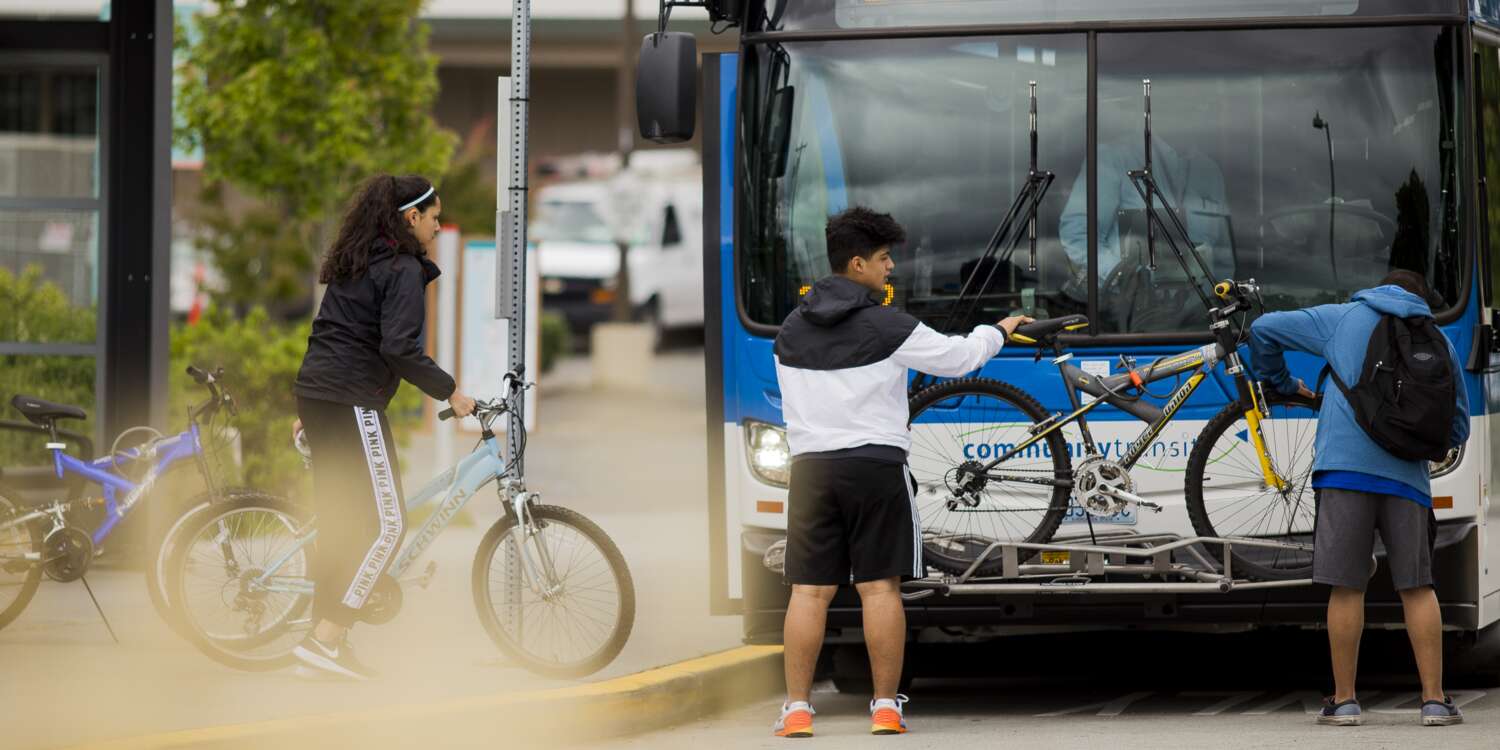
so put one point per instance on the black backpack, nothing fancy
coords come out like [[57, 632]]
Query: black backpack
[[1404, 399]]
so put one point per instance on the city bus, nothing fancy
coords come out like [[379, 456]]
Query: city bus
[[1312, 145]]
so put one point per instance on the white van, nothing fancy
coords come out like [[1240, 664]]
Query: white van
[[658, 204]]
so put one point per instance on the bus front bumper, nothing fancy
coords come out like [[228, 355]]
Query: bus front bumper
[[982, 616]]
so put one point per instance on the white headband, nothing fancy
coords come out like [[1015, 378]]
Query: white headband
[[417, 200]]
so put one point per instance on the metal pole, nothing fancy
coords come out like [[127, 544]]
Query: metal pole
[[510, 266], [514, 213], [624, 91]]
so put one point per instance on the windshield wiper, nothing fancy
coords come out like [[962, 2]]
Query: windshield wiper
[[1145, 184], [1007, 235]]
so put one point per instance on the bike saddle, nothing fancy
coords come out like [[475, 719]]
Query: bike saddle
[[1045, 330], [40, 412]]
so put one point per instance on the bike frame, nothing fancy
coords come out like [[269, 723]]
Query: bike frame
[[120, 494], [1198, 362], [455, 487]]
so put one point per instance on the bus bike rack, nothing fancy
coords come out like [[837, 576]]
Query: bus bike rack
[[1145, 556]]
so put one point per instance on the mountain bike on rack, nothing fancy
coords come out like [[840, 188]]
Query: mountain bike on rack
[[1248, 475], [43, 538], [551, 588]]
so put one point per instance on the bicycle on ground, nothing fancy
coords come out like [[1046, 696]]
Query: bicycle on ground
[[551, 588], [44, 539]]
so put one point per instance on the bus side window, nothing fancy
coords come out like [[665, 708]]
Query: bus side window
[[671, 233]]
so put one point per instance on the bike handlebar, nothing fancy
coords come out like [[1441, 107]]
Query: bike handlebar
[[513, 385]]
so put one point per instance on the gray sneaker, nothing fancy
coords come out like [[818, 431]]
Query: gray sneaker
[[1344, 714], [1441, 713]]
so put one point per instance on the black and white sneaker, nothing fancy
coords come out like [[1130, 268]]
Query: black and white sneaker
[[332, 660]]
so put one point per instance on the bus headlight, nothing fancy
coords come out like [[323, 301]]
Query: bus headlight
[[1436, 469], [770, 457]]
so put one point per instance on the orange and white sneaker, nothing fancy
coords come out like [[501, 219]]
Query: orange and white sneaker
[[795, 721], [886, 716]]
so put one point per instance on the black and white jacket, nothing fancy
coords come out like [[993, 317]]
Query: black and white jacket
[[842, 361]]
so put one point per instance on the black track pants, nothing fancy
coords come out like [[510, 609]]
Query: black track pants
[[357, 498]]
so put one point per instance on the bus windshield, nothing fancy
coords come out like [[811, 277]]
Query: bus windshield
[[1313, 160]]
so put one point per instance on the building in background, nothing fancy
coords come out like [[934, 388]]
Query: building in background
[[85, 209]]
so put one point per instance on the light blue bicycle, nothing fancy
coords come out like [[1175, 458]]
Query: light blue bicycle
[[551, 588]]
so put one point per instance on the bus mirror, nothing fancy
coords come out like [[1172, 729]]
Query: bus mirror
[[666, 87], [779, 137]]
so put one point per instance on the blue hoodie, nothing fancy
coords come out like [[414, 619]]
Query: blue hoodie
[[1340, 334]]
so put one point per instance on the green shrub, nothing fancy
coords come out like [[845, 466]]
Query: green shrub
[[556, 339], [260, 360], [34, 310]]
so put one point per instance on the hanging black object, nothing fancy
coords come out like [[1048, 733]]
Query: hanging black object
[[666, 87]]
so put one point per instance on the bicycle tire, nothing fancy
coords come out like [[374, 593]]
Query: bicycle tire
[[484, 604], [1285, 441], [156, 578], [33, 576], [950, 544], [235, 654]]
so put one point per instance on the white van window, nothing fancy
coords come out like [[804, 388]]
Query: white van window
[[570, 221], [671, 233]]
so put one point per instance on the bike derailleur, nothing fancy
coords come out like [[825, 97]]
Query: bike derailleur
[[965, 482]]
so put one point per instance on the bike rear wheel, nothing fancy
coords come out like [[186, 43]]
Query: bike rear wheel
[[166, 544], [569, 623], [19, 576], [1228, 496], [220, 559], [970, 422]]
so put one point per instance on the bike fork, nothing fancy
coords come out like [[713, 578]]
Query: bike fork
[[540, 572], [1253, 417]]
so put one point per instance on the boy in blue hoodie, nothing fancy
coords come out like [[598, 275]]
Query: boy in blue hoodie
[[1362, 488]]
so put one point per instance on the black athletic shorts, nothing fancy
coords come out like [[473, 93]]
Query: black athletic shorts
[[851, 520]]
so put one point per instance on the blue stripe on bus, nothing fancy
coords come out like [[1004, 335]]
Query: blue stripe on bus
[[731, 329]]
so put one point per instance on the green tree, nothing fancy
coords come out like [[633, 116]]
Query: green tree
[[294, 104]]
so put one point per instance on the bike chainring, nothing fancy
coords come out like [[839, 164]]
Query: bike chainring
[[1091, 480], [66, 553], [383, 603]]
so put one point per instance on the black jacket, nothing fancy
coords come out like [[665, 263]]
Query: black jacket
[[368, 335]]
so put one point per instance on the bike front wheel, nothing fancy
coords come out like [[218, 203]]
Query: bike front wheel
[[964, 424], [1228, 495], [556, 597]]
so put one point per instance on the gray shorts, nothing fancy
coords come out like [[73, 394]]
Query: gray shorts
[[1345, 539]]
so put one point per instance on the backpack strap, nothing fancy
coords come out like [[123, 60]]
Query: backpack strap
[[1323, 375]]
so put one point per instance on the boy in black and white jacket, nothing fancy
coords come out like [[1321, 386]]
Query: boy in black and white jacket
[[842, 360]]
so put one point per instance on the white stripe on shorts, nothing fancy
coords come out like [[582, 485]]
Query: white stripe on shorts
[[917, 568]]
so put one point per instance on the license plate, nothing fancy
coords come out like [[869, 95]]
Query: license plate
[[1054, 557], [1125, 517]]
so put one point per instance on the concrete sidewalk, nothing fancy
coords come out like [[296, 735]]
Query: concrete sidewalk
[[632, 463]]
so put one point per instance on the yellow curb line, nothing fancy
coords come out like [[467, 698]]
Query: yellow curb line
[[655, 698]]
